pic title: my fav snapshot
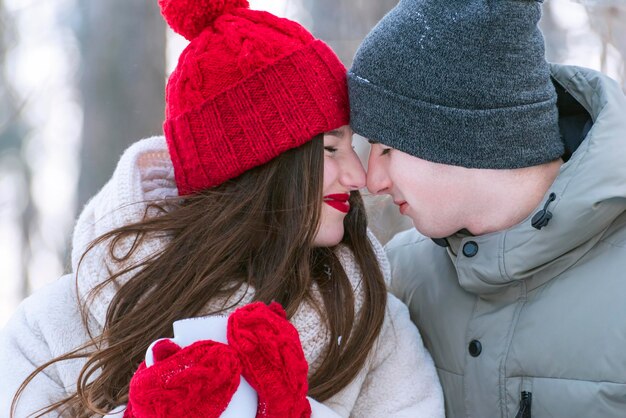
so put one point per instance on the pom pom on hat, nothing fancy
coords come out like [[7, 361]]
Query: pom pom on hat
[[190, 17], [248, 87]]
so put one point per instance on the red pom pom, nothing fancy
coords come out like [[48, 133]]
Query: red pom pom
[[190, 17]]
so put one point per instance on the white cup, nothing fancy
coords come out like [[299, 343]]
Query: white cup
[[245, 401]]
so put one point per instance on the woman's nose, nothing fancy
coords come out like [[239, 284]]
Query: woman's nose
[[353, 174]]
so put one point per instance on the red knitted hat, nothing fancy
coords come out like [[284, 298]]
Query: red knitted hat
[[248, 87]]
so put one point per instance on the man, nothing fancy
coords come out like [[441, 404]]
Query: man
[[514, 173]]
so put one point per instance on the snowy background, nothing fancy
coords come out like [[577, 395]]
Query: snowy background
[[48, 58]]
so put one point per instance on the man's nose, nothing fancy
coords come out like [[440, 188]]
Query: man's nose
[[377, 179]]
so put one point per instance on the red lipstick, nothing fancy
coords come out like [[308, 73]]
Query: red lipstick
[[338, 201]]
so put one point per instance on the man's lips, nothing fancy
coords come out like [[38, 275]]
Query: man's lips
[[402, 206], [338, 201]]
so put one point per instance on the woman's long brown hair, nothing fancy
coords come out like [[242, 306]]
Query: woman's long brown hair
[[256, 230]]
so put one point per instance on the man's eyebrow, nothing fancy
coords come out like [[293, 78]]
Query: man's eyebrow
[[372, 142]]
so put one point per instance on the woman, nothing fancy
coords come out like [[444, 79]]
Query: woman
[[251, 196]]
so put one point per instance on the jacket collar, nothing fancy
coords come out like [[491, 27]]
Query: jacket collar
[[590, 194]]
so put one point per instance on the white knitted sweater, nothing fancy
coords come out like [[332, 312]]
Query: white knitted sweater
[[398, 380]]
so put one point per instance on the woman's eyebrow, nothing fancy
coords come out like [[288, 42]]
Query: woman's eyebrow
[[335, 132]]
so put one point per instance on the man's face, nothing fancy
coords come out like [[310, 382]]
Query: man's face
[[428, 193]]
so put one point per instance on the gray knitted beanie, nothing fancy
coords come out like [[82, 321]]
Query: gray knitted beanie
[[459, 82]]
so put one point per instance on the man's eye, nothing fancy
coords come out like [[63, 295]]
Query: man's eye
[[330, 149], [385, 151]]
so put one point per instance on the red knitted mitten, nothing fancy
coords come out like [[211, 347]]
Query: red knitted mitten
[[195, 381], [272, 359]]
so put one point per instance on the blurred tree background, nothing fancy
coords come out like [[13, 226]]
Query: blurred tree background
[[80, 80], [122, 45], [14, 169]]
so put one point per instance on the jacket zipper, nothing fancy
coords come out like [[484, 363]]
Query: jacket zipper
[[524, 405]]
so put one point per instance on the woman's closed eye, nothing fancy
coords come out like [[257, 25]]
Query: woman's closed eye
[[330, 149]]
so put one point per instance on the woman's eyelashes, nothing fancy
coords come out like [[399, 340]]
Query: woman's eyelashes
[[330, 149]]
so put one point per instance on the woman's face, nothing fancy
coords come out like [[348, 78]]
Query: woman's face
[[343, 173]]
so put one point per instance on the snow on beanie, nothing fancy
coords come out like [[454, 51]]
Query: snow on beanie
[[458, 82], [248, 87]]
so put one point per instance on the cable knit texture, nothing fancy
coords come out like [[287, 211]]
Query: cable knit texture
[[272, 359], [199, 381], [398, 380], [248, 87]]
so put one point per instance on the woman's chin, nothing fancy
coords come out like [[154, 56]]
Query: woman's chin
[[329, 236]]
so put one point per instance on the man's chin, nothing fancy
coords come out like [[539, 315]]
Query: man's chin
[[428, 230]]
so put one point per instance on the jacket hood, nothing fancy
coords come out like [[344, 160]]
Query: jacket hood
[[590, 193]]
